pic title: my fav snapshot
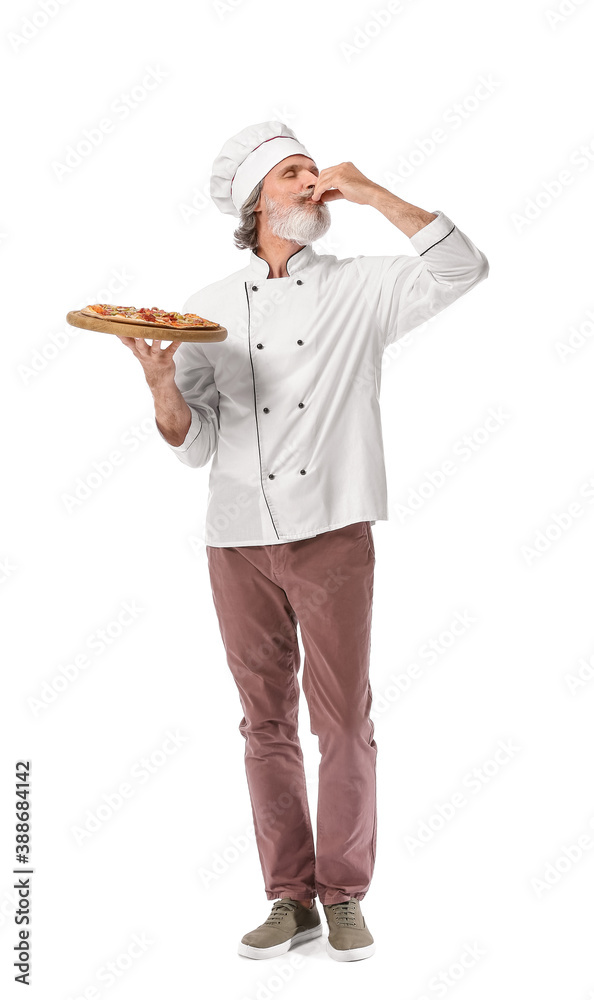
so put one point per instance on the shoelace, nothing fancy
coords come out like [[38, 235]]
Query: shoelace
[[344, 914], [280, 910]]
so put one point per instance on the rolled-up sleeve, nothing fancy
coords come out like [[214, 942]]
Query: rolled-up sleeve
[[194, 378], [405, 291]]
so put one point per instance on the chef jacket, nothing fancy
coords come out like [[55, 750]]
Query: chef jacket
[[288, 404]]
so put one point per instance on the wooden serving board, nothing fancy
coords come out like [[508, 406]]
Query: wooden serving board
[[189, 334]]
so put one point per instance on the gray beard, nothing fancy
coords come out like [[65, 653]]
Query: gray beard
[[302, 224]]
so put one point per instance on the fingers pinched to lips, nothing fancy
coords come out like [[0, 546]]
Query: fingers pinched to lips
[[343, 180]]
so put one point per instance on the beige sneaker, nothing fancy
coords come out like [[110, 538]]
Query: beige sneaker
[[349, 938], [289, 923]]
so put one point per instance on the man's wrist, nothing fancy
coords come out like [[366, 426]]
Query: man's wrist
[[162, 384], [407, 217], [376, 195]]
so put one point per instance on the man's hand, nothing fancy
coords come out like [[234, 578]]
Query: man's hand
[[346, 182], [157, 363], [172, 413]]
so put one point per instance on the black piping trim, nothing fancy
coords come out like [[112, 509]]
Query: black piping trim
[[295, 254], [437, 241], [256, 409], [288, 258], [261, 258]]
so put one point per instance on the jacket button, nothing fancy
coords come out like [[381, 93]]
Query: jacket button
[[303, 472], [299, 341], [301, 404], [260, 346], [299, 281], [254, 288], [271, 476], [266, 410]]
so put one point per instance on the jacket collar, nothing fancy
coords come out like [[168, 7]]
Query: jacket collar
[[296, 262]]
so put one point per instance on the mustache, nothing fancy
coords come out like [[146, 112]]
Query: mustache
[[301, 198]]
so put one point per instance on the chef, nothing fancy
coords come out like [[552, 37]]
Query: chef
[[287, 408]]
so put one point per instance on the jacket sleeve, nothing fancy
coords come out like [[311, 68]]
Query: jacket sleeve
[[194, 377], [405, 291]]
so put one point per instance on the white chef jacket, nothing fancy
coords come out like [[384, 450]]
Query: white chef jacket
[[288, 404]]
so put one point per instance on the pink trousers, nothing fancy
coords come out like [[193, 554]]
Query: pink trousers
[[261, 593]]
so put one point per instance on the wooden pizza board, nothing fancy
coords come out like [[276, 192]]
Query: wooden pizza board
[[150, 331]]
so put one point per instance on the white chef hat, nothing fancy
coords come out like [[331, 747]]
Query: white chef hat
[[246, 158]]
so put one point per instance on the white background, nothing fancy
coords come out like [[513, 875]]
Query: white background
[[355, 84]]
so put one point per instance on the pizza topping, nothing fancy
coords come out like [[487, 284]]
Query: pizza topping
[[155, 316]]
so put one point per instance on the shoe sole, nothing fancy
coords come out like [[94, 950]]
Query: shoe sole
[[350, 954], [250, 951]]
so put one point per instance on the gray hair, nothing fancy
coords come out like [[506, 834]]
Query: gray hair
[[246, 235]]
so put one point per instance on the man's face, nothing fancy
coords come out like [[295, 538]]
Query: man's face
[[285, 208]]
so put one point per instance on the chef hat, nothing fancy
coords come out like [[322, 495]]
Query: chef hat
[[246, 158]]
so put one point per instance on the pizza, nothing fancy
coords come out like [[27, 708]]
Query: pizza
[[152, 317]]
